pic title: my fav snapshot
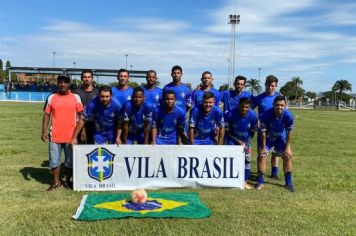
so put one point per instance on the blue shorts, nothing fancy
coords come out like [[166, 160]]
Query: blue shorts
[[277, 146], [55, 153]]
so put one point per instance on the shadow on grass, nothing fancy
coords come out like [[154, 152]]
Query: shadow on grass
[[42, 175]]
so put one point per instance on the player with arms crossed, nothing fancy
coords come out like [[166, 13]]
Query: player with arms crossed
[[136, 119], [276, 131], [205, 86], [204, 120], [241, 125], [105, 111], [122, 92], [153, 94], [182, 92], [230, 98], [168, 122]]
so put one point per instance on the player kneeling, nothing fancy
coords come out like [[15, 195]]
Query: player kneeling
[[104, 110], [276, 132], [241, 125], [204, 120]]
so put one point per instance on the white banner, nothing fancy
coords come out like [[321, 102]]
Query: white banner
[[127, 167]]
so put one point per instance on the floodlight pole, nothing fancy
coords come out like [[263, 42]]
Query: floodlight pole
[[259, 73], [54, 59], [126, 55], [233, 21]]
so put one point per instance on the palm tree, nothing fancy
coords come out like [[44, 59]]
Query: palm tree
[[254, 85], [342, 86], [297, 82]]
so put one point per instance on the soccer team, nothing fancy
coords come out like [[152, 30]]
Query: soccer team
[[150, 115]]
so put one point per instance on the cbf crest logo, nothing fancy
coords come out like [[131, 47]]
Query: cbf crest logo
[[100, 164]]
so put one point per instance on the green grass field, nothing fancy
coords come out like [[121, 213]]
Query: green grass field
[[324, 176]]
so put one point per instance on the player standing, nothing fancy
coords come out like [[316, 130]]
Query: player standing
[[86, 92], [206, 86], [122, 92], [153, 94], [264, 102], [231, 98], [276, 132]]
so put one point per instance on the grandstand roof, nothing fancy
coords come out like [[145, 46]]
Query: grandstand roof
[[73, 71]]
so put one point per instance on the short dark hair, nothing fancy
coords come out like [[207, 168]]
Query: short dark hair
[[240, 77], [64, 78], [208, 95], [270, 79], [122, 70], [86, 71], [138, 89], [105, 88], [176, 67], [206, 72], [151, 71], [244, 101], [169, 92], [279, 98]]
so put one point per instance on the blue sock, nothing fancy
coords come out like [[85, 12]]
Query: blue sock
[[274, 171], [261, 177], [247, 174], [288, 178]]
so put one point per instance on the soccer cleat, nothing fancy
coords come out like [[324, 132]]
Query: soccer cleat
[[290, 187], [247, 186], [260, 186], [53, 187]]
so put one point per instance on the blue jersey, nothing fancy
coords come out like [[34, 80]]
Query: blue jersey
[[197, 97], [231, 99], [240, 127], [183, 95], [276, 127], [105, 119], [122, 96], [205, 125], [168, 124], [153, 96], [137, 117], [264, 102]]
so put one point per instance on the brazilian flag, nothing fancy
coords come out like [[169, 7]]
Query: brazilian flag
[[109, 206]]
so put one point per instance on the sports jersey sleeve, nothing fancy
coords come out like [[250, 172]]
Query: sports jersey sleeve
[[227, 118], [193, 117], [48, 105], [126, 112], [219, 117], [254, 124], [155, 118], [189, 98], [89, 111], [79, 105], [288, 121], [147, 113], [181, 120], [263, 123]]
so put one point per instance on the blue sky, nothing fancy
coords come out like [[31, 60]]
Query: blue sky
[[312, 39]]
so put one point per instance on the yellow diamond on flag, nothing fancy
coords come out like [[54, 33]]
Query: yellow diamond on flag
[[120, 205]]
